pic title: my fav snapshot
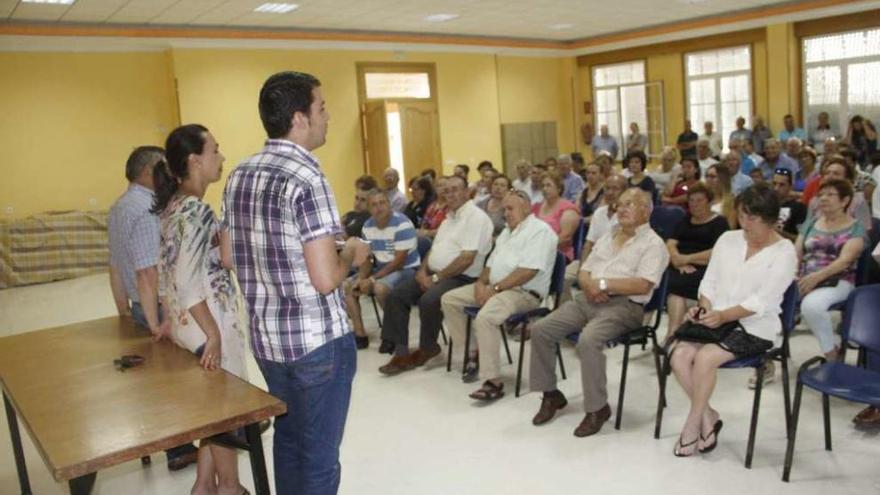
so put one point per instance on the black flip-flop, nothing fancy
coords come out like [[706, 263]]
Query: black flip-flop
[[676, 451], [716, 429], [488, 392]]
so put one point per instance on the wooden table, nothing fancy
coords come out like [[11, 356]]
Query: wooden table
[[84, 415]]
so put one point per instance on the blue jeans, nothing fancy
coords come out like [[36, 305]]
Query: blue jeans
[[317, 391]]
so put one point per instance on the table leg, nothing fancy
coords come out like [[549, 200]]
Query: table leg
[[258, 461], [82, 485], [17, 451]]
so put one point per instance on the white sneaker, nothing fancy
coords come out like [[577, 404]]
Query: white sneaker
[[769, 375]]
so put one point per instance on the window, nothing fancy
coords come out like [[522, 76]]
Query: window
[[620, 96], [719, 88], [840, 77], [385, 85]]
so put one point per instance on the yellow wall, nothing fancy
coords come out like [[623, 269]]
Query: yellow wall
[[68, 122]]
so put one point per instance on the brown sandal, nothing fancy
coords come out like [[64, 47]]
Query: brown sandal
[[488, 392]]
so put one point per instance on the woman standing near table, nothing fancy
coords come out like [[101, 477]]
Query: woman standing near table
[[203, 301]]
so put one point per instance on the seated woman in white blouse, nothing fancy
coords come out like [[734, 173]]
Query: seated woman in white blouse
[[745, 281]]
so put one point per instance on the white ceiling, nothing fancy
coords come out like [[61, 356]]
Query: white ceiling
[[531, 19]]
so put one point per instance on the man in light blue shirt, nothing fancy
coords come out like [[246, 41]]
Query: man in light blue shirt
[[746, 163], [572, 182], [605, 142], [774, 158], [738, 180], [791, 131]]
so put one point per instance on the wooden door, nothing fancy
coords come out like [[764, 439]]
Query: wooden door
[[420, 136], [374, 122]]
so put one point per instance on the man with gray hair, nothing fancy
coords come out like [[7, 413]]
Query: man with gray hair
[[793, 147], [605, 142], [704, 156], [714, 138], [572, 182], [617, 279], [774, 158], [522, 182], [391, 178], [133, 232]]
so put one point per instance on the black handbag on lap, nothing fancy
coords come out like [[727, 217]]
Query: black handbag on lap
[[731, 337]]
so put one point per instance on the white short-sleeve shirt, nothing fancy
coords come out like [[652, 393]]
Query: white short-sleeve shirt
[[467, 229], [531, 245]]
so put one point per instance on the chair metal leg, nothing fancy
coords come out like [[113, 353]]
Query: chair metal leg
[[443, 334], [826, 416], [376, 309], [753, 426], [622, 389], [561, 363], [658, 367], [661, 399], [786, 395], [789, 449], [449, 357], [17, 451], [467, 345], [519, 364], [506, 345]]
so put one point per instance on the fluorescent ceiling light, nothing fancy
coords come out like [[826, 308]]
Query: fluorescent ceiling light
[[276, 8], [441, 17], [50, 2], [560, 27]]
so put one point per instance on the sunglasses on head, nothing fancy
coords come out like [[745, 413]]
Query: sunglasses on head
[[783, 171]]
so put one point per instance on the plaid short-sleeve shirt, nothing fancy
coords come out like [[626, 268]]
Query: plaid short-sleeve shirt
[[133, 235], [274, 202]]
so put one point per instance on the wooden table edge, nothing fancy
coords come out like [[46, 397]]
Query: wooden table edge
[[65, 473], [21, 419]]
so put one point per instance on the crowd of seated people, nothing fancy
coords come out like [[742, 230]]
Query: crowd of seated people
[[745, 236]]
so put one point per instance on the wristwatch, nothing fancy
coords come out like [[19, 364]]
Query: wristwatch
[[435, 278], [603, 284], [496, 288]]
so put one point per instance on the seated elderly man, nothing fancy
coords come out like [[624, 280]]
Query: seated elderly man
[[604, 220], [456, 258], [392, 240], [617, 280], [516, 279]]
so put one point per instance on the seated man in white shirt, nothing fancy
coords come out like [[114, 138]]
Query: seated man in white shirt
[[603, 221], [617, 280], [704, 154], [523, 181], [516, 279], [455, 259], [714, 138]]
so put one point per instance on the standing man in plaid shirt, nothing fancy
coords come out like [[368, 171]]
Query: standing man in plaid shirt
[[283, 221]]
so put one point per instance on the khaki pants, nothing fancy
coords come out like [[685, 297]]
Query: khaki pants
[[599, 323], [486, 325]]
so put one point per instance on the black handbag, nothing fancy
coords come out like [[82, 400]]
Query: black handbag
[[731, 337]]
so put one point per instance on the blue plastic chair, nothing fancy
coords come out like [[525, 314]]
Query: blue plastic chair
[[580, 237], [638, 336], [855, 384], [665, 219], [781, 354]]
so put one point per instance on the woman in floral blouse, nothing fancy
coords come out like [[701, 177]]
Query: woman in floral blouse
[[195, 279]]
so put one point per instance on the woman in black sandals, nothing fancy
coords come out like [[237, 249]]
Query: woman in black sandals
[[740, 301]]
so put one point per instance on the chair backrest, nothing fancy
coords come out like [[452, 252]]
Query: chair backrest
[[789, 307], [863, 264], [580, 236], [557, 282], [658, 298], [861, 320], [423, 245], [664, 220]]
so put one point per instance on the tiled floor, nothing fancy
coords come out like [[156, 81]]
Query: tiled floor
[[419, 433]]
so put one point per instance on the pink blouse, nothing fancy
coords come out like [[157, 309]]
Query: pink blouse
[[554, 219]]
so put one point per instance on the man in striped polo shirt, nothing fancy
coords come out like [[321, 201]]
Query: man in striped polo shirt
[[392, 240]]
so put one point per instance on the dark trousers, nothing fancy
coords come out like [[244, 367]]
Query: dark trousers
[[317, 391], [137, 313], [407, 294]]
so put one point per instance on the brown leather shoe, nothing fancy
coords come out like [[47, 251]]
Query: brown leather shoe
[[420, 356], [593, 422], [397, 365], [868, 418], [549, 406]]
